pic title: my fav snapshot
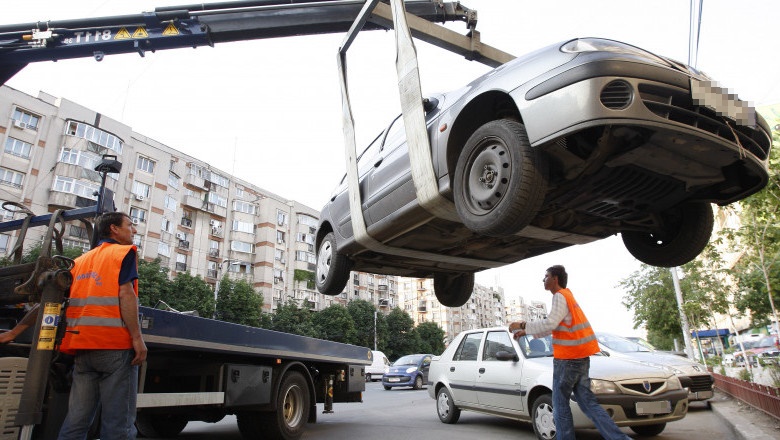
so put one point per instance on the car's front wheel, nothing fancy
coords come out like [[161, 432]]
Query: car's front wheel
[[453, 289], [681, 233], [445, 407], [542, 417], [500, 180], [332, 267], [649, 430], [418, 383]]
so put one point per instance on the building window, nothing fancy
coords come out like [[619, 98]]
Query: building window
[[145, 164], [173, 180], [94, 135], [219, 180], [305, 238], [163, 249], [239, 191], [242, 246], [78, 232], [11, 178], [213, 248], [141, 189], [4, 241], [18, 148], [166, 225], [243, 227], [77, 187], [181, 262], [5, 214], [216, 227], [279, 255], [217, 199], [25, 119], [246, 207], [278, 276], [305, 256], [281, 217], [280, 237], [137, 238], [137, 215], [307, 220], [171, 203]]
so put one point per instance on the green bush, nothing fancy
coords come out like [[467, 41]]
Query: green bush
[[722, 370], [713, 361], [744, 374], [774, 373]]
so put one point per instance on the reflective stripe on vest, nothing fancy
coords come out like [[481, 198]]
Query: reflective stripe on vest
[[577, 340]]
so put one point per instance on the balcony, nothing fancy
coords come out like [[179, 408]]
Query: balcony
[[184, 244], [214, 252], [196, 181], [186, 222], [195, 202], [422, 307], [211, 273], [181, 267], [214, 209], [216, 231]]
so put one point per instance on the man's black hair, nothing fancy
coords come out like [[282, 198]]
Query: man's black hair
[[560, 272], [106, 220]]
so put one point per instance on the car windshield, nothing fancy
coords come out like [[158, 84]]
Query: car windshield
[[408, 360], [536, 347], [621, 345]]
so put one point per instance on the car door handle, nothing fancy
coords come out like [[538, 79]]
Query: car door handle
[[452, 369], [378, 162], [481, 371]]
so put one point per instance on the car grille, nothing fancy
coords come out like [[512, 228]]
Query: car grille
[[640, 387], [676, 105], [616, 95], [701, 383]]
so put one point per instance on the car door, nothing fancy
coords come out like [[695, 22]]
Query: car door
[[462, 372], [425, 367], [498, 383]]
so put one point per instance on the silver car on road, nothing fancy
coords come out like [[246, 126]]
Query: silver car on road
[[489, 372], [567, 145]]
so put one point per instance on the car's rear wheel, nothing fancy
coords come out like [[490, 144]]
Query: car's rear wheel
[[500, 180], [418, 383], [682, 233], [542, 417], [445, 407], [332, 267], [649, 430], [453, 289], [368, 377]]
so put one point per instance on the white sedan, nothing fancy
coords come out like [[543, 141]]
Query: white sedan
[[487, 371]]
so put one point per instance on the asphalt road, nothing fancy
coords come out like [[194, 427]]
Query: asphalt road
[[408, 414]]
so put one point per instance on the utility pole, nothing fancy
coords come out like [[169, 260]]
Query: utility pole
[[375, 330], [683, 318]]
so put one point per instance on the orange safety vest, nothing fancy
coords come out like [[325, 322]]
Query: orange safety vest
[[94, 321], [575, 340]]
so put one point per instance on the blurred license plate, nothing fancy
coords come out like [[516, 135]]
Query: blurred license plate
[[394, 379], [660, 407]]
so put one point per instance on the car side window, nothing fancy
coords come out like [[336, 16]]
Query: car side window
[[396, 135], [469, 348], [495, 342]]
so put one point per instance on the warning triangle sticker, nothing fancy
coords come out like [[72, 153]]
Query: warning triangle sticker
[[122, 35], [140, 33], [170, 30]]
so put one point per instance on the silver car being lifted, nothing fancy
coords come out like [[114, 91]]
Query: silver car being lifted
[[489, 372], [567, 145]]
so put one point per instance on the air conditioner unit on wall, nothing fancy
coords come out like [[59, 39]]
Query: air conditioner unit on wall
[[135, 221], [139, 197], [180, 236], [19, 124]]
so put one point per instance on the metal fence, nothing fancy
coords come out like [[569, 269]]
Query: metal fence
[[762, 397]]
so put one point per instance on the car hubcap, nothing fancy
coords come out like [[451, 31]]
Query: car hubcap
[[323, 261], [444, 405], [488, 177], [545, 425]]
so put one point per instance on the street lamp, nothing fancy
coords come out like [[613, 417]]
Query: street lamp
[[216, 285]]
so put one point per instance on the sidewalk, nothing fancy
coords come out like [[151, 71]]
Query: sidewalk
[[745, 421]]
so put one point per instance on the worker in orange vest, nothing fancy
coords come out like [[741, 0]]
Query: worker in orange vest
[[573, 343], [104, 335]]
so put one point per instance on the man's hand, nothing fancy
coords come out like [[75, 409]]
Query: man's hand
[[6, 337], [517, 329], [139, 346]]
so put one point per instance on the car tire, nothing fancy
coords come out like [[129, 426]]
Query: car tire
[[418, 383], [684, 232], [453, 289], [368, 377], [500, 180], [648, 430], [332, 271], [542, 418], [445, 407], [387, 388]]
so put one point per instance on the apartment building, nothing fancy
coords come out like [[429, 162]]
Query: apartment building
[[193, 217]]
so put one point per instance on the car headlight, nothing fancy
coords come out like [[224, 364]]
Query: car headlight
[[604, 387], [411, 369], [673, 383]]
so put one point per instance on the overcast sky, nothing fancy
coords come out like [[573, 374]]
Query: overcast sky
[[269, 111]]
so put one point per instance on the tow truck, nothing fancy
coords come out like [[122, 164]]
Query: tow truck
[[198, 368]]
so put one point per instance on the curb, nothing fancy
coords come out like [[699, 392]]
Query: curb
[[731, 413]]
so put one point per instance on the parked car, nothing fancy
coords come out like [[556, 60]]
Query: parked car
[[567, 145], [693, 376], [408, 371], [645, 343], [379, 366], [487, 371]]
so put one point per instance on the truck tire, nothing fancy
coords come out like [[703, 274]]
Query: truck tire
[[289, 419], [159, 425]]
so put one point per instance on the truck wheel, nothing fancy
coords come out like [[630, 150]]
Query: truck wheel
[[290, 417], [648, 430], [159, 425], [682, 233], [445, 407], [332, 267], [453, 290], [542, 417], [500, 180]]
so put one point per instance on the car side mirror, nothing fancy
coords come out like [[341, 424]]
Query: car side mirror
[[604, 353], [507, 356]]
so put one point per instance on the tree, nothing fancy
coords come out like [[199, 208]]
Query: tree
[[290, 318], [153, 283], [431, 338], [362, 313], [239, 303], [402, 338], [33, 252], [650, 294], [190, 293], [335, 324]]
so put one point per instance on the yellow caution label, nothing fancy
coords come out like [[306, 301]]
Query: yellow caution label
[[46, 338], [140, 32], [170, 30], [122, 35], [49, 322]]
